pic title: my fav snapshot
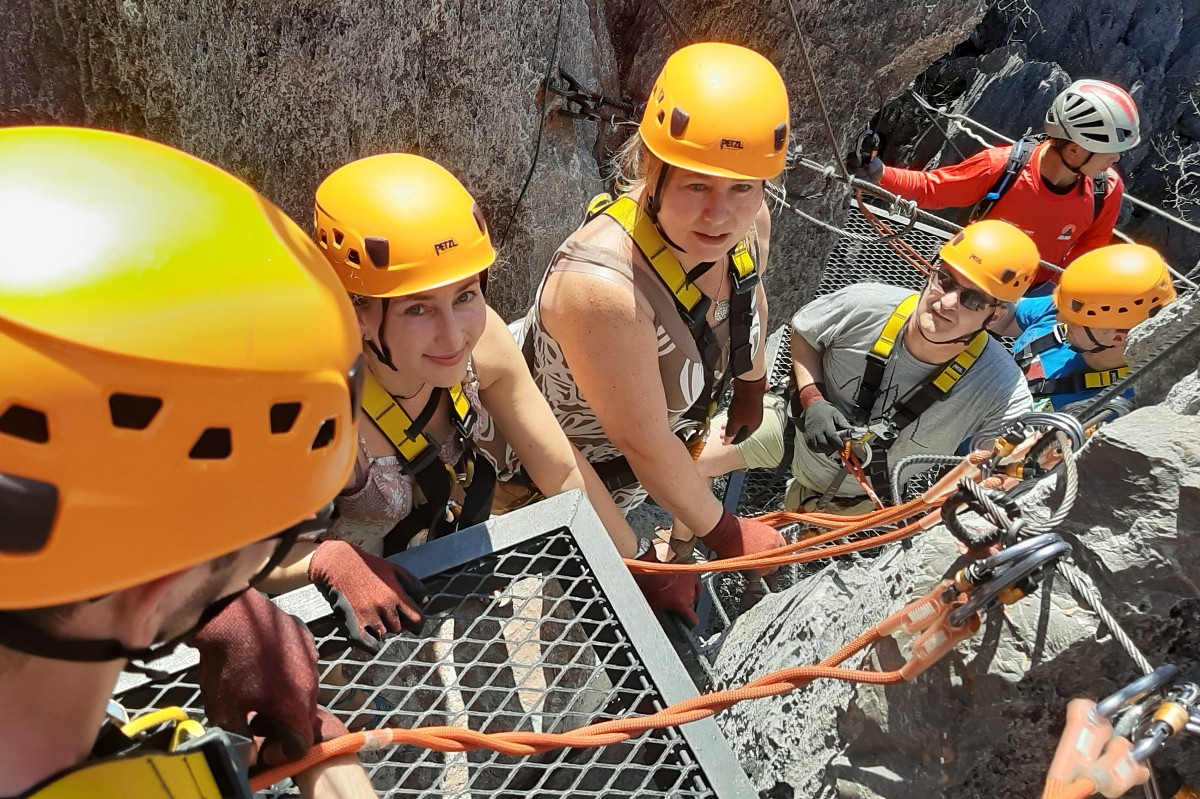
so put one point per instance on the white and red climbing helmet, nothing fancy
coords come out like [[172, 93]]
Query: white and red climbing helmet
[[1098, 116]]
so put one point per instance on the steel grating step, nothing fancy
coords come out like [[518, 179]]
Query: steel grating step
[[534, 623]]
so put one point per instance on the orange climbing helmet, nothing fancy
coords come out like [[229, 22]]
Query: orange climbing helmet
[[721, 110], [1116, 287], [397, 224], [996, 256], [179, 366]]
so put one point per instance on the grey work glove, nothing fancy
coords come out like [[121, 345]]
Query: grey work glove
[[824, 427]]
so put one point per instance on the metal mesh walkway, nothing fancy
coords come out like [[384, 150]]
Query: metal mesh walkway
[[535, 624]]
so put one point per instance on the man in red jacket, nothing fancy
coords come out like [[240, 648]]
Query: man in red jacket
[[1051, 187]]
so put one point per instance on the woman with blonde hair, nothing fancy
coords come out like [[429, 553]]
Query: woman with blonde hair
[[652, 307]]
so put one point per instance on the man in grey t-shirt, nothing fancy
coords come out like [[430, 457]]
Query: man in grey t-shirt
[[991, 263]]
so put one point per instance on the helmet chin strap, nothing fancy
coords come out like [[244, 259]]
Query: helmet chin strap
[[382, 353], [1078, 170], [1087, 331], [654, 205]]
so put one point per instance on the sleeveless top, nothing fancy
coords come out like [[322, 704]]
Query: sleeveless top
[[367, 513], [602, 248]]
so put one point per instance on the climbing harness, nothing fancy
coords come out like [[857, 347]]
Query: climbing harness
[[161, 755], [419, 459], [1018, 159], [907, 409], [1074, 382], [693, 306]]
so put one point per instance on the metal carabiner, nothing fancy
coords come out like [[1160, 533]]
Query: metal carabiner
[[1135, 691], [984, 596]]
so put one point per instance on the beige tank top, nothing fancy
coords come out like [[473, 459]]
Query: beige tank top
[[602, 248]]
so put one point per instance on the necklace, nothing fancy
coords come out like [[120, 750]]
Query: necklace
[[721, 307]]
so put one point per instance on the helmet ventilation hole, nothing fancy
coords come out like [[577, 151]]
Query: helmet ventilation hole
[[377, 251], [780, 135], [338, 237], [214, 444], [133, 411], [21, 422], [283, 416], [27, 511], [679, 122], [325, 435], [352, 256]]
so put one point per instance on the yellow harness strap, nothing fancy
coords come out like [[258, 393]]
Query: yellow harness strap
[[953, 371], [892, 328], [180, 775], [1104, 379], [153, 774], [397, 425], [641, 229]]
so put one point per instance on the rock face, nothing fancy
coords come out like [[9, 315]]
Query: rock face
[[1024, 53], [282, 93], [1174, 380], [984, 722]]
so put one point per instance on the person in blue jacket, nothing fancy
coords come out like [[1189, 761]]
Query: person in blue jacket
[[1071, 345]]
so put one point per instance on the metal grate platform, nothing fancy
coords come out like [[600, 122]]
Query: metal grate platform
[[534, 623]]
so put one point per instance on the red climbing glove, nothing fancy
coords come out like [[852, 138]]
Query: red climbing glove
[[734, 536], [745, 409], [676, 592], [258, 678], [370, 596]]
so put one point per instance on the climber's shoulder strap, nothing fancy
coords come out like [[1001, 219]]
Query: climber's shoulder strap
[[690, 301], [1069, 383], [204, 767], [1099, 193], [420, 459], [1025, 356], [1018, 159], [908, 408], [414, 448], [881, 353]]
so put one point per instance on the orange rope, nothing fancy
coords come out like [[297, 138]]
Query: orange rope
[[1079, 789], [458, 739], [902, 247]]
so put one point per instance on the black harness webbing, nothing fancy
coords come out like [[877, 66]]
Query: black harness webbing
[[1071, 383], [418, 457], [1018, 158], [692, 305], [907, 409]]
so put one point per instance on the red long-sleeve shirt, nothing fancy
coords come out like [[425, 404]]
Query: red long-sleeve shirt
[[1060, 224]]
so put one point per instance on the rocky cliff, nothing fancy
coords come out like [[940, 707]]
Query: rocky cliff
[[1025, 51], [282, 93]]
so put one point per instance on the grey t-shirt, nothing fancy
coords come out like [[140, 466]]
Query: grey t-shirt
[[843, 327]]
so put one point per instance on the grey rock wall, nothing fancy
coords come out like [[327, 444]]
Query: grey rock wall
[[1025, 52], [282, 93], [1173, 379]]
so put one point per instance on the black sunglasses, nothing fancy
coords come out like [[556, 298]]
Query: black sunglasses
[[971, 299]]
